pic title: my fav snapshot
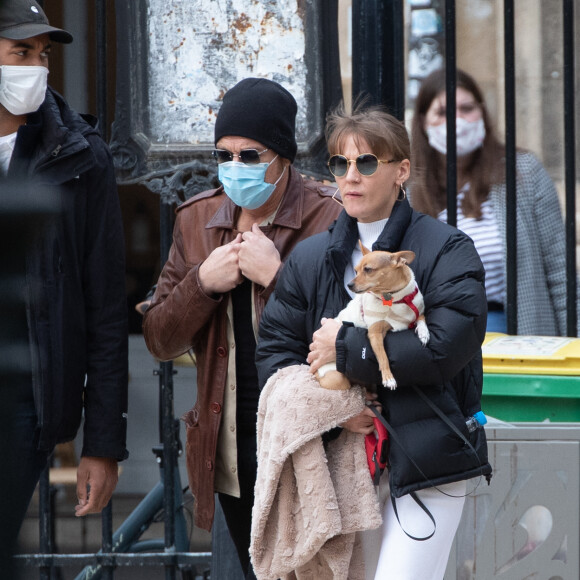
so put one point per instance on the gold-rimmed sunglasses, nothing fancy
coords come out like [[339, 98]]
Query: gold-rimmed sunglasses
[[366, 164]]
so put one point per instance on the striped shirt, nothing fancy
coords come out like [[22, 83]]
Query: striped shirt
[[485, 235]]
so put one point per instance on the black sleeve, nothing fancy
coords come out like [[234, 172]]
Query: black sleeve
[[285, 332]]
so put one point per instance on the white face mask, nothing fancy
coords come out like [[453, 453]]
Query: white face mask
[[470, 136], [22, 88]]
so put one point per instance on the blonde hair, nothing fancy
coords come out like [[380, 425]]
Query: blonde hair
[[383, 133]]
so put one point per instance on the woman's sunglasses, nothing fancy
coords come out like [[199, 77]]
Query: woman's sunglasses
[[246, 156], [366, 164]]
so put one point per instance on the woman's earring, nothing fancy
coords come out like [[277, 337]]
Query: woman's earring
[[402, 193], [339, 201]]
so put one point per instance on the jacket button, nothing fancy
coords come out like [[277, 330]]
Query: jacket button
[[221, 351], [215, 408], [209, 464]]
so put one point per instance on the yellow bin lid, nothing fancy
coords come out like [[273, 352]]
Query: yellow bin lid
[[537, 355]]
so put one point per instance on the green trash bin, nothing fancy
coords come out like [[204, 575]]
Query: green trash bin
[[531, 378]]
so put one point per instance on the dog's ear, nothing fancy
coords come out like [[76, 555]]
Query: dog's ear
[[403, 257], [364, 250]]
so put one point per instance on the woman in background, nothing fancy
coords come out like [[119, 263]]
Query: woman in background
[[481, 205]]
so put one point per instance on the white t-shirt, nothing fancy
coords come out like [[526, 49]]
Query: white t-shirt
[[6, 149]]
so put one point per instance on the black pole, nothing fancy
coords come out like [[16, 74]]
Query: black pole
[[45, 520], [101, 17], [366, 50], [510, 145], [451, 105], [378, 54], [107, 537], [392, 77], [570, 169], [167, 409]]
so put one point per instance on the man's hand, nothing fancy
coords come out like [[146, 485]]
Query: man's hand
[[323, 345], [258, 257], [96, 480], [220, 272]]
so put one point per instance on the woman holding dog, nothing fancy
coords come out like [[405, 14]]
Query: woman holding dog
[[481, 205], [428, 465]]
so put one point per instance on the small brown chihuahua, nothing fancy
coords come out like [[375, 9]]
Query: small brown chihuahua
[[387, 298]]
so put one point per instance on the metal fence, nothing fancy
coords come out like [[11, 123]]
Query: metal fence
[[486, 545]]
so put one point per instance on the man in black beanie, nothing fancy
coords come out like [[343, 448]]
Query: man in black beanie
[[229, 245]]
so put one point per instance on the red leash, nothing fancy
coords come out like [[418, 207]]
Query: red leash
[[377, 449]]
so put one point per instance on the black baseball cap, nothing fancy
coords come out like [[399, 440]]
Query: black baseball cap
[[21, 19]]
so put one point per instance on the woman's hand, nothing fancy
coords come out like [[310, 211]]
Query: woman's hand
[[361, 423], [323, 345], [364, 421]]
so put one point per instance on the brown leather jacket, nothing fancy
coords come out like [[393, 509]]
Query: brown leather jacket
[[181, 316]]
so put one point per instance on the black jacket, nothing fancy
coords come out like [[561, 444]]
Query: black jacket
[[76, 300], [448, 370]]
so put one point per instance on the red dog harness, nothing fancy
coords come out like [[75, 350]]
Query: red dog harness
[[408, 300]]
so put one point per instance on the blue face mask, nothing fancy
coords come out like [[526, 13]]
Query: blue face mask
[[245, 185]]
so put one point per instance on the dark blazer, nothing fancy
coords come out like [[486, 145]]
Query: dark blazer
[[448, 370], [76, 300]]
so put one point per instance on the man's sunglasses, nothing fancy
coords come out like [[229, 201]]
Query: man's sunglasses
[[366, 164], [246, 156]]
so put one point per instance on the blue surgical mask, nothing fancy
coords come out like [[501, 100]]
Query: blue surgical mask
[[245, 185]]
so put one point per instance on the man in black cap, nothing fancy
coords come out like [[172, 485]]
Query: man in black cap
[[76, 312], [229, 245]]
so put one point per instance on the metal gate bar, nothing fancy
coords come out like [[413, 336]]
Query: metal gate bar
[[450, 96], [570, 167], [510, 169]]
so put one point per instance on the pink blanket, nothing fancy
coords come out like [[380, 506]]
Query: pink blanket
[[309, 501]]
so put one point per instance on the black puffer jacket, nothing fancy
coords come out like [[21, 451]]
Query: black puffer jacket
[[448, 370], [76, 300]]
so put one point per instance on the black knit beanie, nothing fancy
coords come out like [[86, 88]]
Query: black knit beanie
[[262, 110]]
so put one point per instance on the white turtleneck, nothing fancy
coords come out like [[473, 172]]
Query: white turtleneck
[[368, 234]]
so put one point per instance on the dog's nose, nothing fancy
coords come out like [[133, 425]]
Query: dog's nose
[[351, 284]]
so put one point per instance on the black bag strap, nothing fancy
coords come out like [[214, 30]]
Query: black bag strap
[[424, 508], [393, 434], [397, 439], [446, 419]]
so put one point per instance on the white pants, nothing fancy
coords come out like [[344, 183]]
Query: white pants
[[400, 557]]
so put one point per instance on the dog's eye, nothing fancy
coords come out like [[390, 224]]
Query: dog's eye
[[368, 270]]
